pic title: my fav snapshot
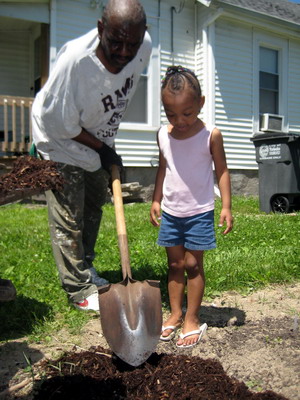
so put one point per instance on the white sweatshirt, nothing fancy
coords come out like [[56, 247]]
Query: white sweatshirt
[[81, 93]]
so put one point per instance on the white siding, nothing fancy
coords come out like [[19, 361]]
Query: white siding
[[294, 87], [183, 38], [138, 149], [73, 19], [233, 91], [38, 12], [204, 15], [151, 7]]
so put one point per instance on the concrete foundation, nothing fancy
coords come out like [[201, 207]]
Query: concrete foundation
[[243, 182]]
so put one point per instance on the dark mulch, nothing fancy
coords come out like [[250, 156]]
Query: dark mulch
[[29, 176], [96, 374]]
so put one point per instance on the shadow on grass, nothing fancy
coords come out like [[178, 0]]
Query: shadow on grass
[[16, 356], [20, 316]]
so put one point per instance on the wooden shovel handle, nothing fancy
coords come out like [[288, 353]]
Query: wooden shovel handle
[[120, 220]]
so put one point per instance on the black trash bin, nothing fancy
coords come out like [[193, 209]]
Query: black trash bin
[[278, 158]]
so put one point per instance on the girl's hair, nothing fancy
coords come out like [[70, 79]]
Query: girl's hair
[[177, 76]]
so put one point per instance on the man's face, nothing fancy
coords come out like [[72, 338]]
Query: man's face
[[119, 44]]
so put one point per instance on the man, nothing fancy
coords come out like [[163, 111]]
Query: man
[[75, 120]]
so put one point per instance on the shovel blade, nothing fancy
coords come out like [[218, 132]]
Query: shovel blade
[[131, 318]]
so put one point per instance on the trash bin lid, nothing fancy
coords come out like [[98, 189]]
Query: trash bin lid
[[274, 135]]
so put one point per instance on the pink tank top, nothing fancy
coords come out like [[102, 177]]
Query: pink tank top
[[188, 187]]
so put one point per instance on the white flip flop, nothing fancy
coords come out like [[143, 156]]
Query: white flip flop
[[200, 332], [171, 335]]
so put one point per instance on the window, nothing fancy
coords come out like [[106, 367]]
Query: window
[[137, 110], [270, 78], [144, 108], [268, 81]]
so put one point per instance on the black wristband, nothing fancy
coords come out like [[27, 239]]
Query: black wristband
[[109, 157]]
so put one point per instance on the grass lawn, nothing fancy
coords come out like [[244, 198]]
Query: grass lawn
[[262, 249]]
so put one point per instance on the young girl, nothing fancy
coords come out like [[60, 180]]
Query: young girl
[[184, 190]]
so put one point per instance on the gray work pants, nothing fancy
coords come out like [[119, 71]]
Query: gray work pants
[[74, 220]]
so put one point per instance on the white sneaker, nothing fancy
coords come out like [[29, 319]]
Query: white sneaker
[[95, 278], [90, 303]]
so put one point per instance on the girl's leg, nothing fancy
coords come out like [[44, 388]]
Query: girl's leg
[[176, 285], [193, 262]]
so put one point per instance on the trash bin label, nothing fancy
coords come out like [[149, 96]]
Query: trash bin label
[[270, 151]]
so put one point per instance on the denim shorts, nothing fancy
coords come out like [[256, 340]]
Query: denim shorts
[[194, 233]]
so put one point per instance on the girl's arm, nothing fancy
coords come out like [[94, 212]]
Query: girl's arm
[[158, 191], [223, 178]]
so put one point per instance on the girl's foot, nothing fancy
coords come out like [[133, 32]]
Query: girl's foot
[[188, 337], [169, 328], [199, 332]]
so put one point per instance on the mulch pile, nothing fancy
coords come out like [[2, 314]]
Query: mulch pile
[[29, 176], [97, 374]]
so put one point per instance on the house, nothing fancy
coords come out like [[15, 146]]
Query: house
[[246, 54]]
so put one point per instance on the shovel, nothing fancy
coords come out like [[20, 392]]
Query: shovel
[[130, 311]]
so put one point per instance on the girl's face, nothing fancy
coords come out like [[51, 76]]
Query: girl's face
[[182, 109]]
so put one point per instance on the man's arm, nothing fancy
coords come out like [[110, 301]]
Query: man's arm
[[89, 140], [107, 154]]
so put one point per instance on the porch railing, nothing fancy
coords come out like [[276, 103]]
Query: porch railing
[[15, 124]]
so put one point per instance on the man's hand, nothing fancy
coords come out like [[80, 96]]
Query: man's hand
[[109, 157]]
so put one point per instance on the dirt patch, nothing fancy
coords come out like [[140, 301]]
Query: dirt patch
[[251, 348], [161, 377]]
